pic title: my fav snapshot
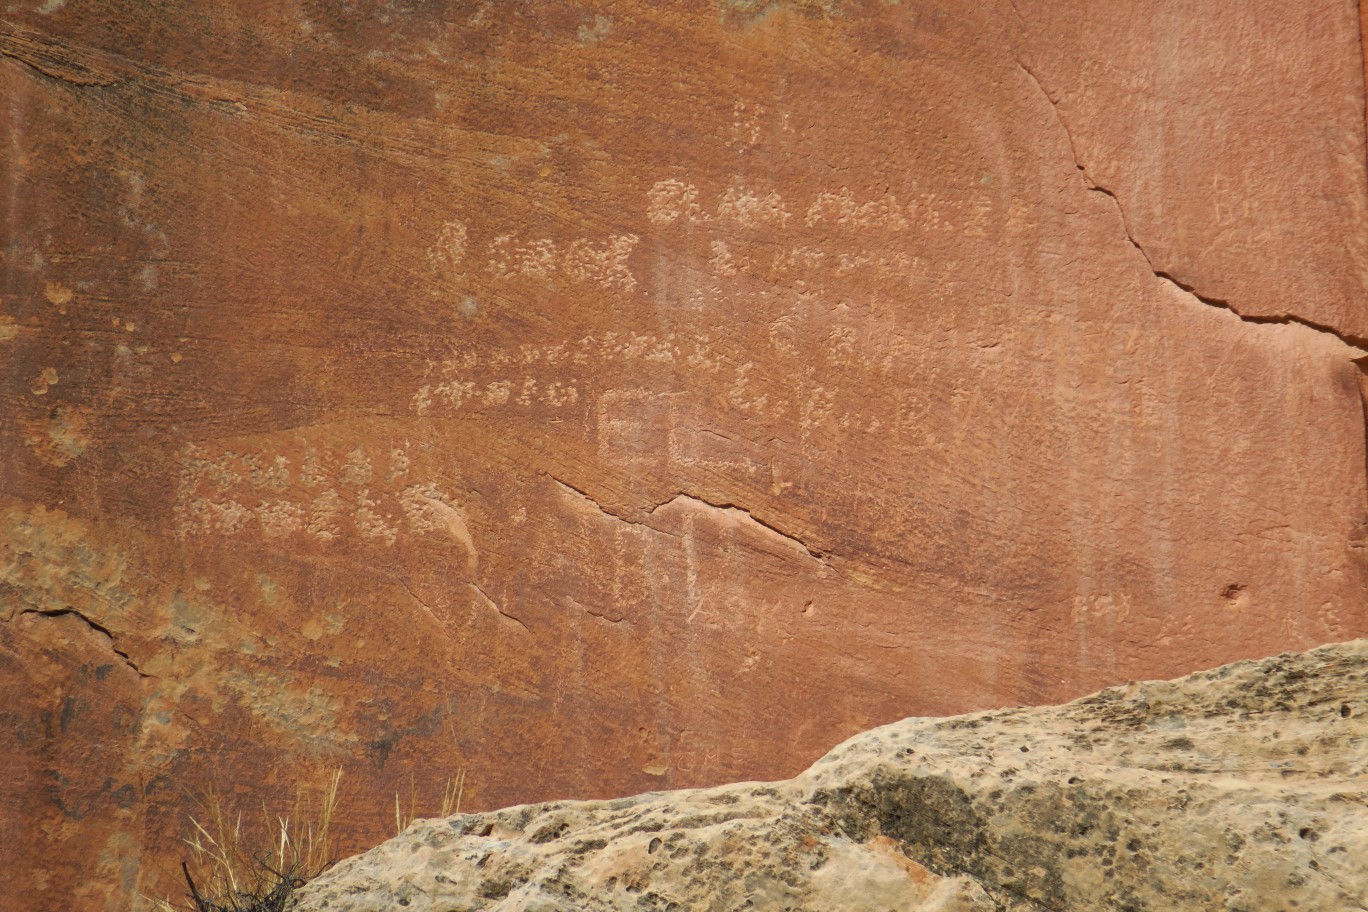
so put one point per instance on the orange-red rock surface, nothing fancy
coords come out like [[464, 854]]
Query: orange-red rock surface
[[602, 397]]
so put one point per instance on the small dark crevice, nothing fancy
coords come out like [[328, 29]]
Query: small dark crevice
[[427, 609], [794, 540], [1184, 286], [498, 609], [605, 618], [1054, 105], [589, 499], [1348, 339], [93, 625]]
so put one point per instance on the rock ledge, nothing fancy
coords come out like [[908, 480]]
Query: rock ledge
[[1242, 788]]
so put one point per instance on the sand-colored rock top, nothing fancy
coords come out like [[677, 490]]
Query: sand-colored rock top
[[1242, 788]]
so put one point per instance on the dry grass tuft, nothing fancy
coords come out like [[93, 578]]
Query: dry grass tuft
[[452, 793], [235, 869]]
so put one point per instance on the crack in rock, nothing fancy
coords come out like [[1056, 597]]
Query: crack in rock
[[605, 618], [732, 511], [475, 588], [498, 609], [583, 497], [727, 512], [1359, 345], [93, 625]]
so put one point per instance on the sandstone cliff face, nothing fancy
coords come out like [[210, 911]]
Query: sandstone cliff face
[[1242, 788], [614, 397]]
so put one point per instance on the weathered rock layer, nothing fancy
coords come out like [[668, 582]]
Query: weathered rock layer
[[1243, 788]]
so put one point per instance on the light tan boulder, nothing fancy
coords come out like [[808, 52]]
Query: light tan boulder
[[1242, 788]]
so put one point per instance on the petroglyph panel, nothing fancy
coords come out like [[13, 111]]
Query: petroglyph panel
[[573, 394], [748, 231], [364, 492], [737, 209]]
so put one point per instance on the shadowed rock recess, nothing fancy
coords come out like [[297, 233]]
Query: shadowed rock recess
[[1242, 788]]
